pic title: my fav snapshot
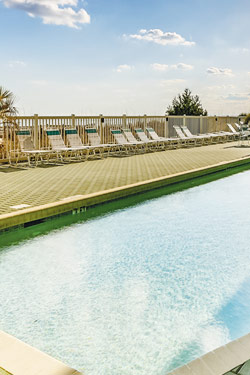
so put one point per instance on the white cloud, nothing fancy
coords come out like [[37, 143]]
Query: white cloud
[[220, 87], [124, 68], [164, 67], [160, 37], [16, 63], [56, 12], [160, 67], [220, 71], [238, 97], [182, 66]]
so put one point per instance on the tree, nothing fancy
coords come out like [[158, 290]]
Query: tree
[[186, 104], [247, 119], [7, 108]]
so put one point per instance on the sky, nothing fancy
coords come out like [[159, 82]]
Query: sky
[[115, 57]]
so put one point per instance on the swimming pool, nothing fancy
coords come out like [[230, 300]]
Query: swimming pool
[[140, 290]]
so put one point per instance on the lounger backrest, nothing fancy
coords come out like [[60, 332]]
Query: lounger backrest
[[25, 140], [186, 131], [128, 134], [237, 126], [55, 139], [141, 135], [153, 134], [73, 138], [119, 137], [231, 128], [93, 136], [179, 132]]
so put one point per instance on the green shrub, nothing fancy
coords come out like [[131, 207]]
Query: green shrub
[[247, 119]]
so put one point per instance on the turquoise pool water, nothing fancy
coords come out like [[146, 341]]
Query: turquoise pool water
[[139, 290]]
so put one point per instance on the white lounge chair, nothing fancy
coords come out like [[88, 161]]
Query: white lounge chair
[[238, 126], [236, 133], [122, 141], [166, 142], [28, 150], [64, 153], [188, 140], [152, 145], [94, 141], [205, 138], [243, 133], [142, 146]]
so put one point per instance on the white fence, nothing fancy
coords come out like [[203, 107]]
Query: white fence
[[163, 125]]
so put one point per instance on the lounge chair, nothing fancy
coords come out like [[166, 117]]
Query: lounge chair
[[94, 141], [218, 137], [238, 126], [243, 132], [236, 133], [188, 140], [28, 150], [127, 147], [74, 141], [64, 153], [142, 146], [166, 142], [205, 138], [142, 137], [232, 129]]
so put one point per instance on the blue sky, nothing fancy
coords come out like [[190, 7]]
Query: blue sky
[[130, 56]]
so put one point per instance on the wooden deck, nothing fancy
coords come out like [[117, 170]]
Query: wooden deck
[[22, 190]]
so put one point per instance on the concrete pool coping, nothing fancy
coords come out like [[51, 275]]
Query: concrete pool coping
[[220, 360], [18, 358], [81, 202]]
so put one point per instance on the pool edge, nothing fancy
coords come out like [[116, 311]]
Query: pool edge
[[28, 360], [218, 361], [37, 213]]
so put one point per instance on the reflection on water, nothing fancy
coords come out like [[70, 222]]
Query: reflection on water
[[139, 291]]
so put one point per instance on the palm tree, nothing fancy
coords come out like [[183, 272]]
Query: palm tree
[[7, 104]]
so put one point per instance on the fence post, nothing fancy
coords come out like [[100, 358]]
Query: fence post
[[35, 135], [101, 124], [201, 125], [124, 121], [166, 128], [184, 120], [145, 123], [73, 120]]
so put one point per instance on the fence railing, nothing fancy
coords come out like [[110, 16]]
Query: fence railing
[[163, 125]]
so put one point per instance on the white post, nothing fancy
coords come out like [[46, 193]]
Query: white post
[[124, 121], [201, 124], [35, 135], [145, 123], [166, 128], [101, 124], [73, 120]]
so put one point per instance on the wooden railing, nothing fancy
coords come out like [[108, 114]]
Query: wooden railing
[[163, 125]]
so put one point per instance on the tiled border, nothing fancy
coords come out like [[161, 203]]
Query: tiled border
[[37, 213]]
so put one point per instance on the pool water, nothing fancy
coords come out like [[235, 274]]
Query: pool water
[[137, 291]]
